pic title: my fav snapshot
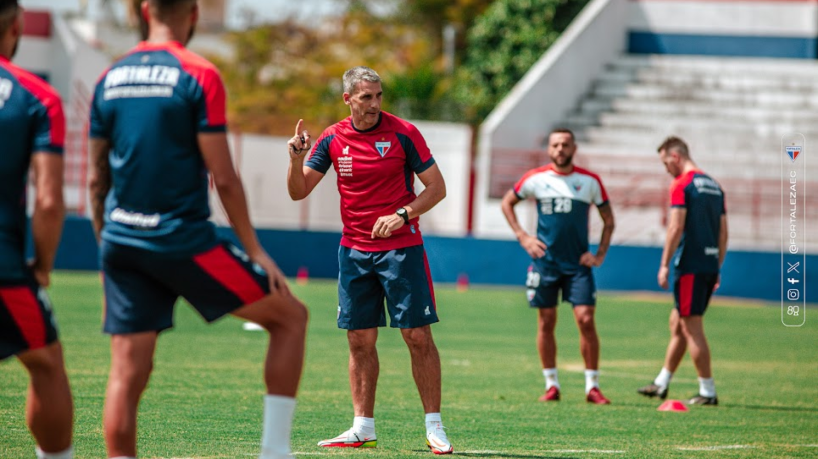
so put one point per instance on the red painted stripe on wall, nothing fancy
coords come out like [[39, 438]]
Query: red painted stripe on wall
[[37, 24]]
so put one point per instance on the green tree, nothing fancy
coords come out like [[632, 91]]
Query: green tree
[[503, 44]]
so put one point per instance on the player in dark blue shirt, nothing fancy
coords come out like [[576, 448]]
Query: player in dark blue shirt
[[560, 256], [158, 127], [32, 130], [696, 243]]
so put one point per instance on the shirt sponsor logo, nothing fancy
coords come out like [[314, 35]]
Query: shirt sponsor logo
[[711, 251], [383, 147], [134, 218], [5, 91], [345, 163], [706, 185], [141, 81]]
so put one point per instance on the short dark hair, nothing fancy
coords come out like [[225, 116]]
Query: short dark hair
[[676, 144], [8, 14], [561, 130], [168, 6]]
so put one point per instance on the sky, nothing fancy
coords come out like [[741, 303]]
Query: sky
[[262, 10]]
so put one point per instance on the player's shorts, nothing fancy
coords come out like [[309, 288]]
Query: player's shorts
[[544, 285], [142, 286], [400, 276], [692, 293], [26, 321]]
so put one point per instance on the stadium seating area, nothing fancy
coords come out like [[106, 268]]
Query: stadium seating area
[[733, 113]]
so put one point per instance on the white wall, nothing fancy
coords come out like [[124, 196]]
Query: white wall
[[742, 18], [547, 93]]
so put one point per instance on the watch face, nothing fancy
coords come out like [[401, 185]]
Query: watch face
[[401, 211]]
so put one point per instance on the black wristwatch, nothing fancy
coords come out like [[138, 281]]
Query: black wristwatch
[[404, 214]]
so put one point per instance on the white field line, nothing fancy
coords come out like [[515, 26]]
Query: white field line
[[713, 448]]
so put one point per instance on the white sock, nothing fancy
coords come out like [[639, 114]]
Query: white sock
[[277, 426], [663, 380], [66, 454], [707, 387], [363, 425], [550, 378], [591, 380], [432, 420]]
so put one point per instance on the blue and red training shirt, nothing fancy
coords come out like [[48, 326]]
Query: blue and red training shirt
[[376, 174], [151, 105], [703, 198], [563, 204], [31, 122]]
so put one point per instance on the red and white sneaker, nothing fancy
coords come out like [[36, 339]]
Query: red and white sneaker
[[350, 439], [437, 441], [551, 395], [596, 397]]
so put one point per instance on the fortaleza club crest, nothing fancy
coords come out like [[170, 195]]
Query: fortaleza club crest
[[793, 152], [383, 147]]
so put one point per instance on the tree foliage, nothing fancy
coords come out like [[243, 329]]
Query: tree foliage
[[503, 44]]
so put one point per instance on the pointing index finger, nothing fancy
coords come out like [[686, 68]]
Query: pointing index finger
[[298, 127]]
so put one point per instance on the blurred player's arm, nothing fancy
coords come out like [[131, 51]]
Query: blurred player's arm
[[533, 246], [301, 179], [433, 193], [675, 229], [49, 212], [216, 155], [588, 259], [99, 181]]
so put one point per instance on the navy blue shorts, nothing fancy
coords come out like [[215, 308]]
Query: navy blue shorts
[[141, 286], [692, 293], [26, 322], [399, 276], [543, 287]]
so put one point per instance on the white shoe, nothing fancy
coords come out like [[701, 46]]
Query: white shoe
[[351, 439], [437, 440]]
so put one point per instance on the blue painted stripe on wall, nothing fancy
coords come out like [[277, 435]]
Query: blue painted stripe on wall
[[493, 262], [721, 45]]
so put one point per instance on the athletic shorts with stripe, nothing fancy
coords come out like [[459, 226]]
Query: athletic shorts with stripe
[[543, 286], [400, 276], [26, 321], [142, 286], [692, 293]]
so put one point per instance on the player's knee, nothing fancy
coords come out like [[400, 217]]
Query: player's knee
[[284, 313], [586, 323], [418, 338], [44, 361]]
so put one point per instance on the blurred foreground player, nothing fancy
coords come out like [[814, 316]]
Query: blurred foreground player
[[560, 260], [696, 243], [158, 128], [32, 129]]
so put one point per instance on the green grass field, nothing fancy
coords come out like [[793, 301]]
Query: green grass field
[[204, 399]]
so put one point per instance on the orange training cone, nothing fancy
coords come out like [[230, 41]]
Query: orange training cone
[[302, 276], [672, 405], [462, 282]]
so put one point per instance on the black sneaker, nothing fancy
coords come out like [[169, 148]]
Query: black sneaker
[[702, 400], [652, 390]]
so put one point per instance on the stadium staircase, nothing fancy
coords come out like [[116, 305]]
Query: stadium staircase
[[731, 111]]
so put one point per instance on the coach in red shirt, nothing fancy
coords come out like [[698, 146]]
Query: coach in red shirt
[[376, 156]]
